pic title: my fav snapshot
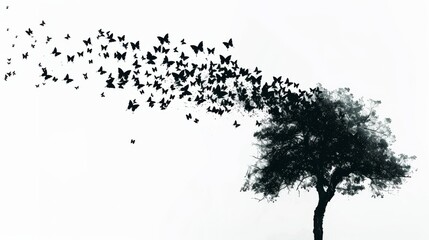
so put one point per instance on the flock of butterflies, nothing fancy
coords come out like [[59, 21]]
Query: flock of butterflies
[[189, 72]]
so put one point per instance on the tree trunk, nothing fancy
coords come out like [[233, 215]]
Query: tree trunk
[[319, 213]]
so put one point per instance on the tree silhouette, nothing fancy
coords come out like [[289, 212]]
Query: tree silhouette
[[333, 143]]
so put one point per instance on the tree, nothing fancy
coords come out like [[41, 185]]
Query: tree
[[331, 142]]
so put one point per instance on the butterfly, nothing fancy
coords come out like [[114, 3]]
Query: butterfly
[[67, 37], [125, 45], [106, 55], [228, 44], [258, 123], [210, 51], [225, 59], [121, 39], [70, 58], [102, 94], [182, 41], [80, 54], [198, 48], [45, 74], [166, 61], [132, 105], [136, 64], [25, 55], [104, 47], [90, 61], [257, 71], [68, 79], [183, 57], [87, 42], [164, 39], [122, 74], [157, 49], [55, 52], [29, 31], [89, 50], [85, 76], [135, 45], [188, 116], [296, 85], [77, 87], [236, 124], [37, 85], [133, 141], [165, 50], [196, 120], [277, 80], [43, 23], [120, 56], [150, 58]]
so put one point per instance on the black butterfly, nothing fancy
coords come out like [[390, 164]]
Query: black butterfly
[[150, 58], [258, 123], [236, 125], [211, 51], [164, 39], [25, 55], [257, 71], [296, 85], [37, 85], [102, 94], [67, 37], [55, 52], [188, 116], [89, 50], [70, 58], [183, 57], [228, 44], [196, 120], [165, 50], [101, 71], [198, 48], [136, 64], [133, 141], [29, 32], [122, 74], [132, 105], [77, 87], [166, 61], [68, 79], [45, 74], [85, 76], [225, 59], [182, 41], [120, 56], [157, 49], [43, 23], [106, 55], [277, 80], [80, 54], [48, 39], [103, 48], [135, 45], [90, 61], [87, 42], [121, 39], [175, 49], [125, 45]]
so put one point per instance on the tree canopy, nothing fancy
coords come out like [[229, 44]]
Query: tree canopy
[[333, 142]]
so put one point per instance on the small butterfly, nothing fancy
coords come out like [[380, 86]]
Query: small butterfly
[[183, 57], [258, 123], [157, 49], [188, 116], [122, 74], [164, 39], [120, 56], [296, 85], [210, 51], [77, 87], [132, 105], [102, 94], [225, 59], [121, 39], [257, 71], [135, 45], [198, 48], [43, 23], [196, 120], [236, 125], [133, 141], [101, 71], [80, 54], [29, 31], [70, 58], [228, 44], [67, 37], [68, 79], [183, 42], [25, 55], [90, 61], [89, 50], [55, 52], [87, 42], [104, 47]]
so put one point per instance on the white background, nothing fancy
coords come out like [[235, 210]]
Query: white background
[[68, 171]]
